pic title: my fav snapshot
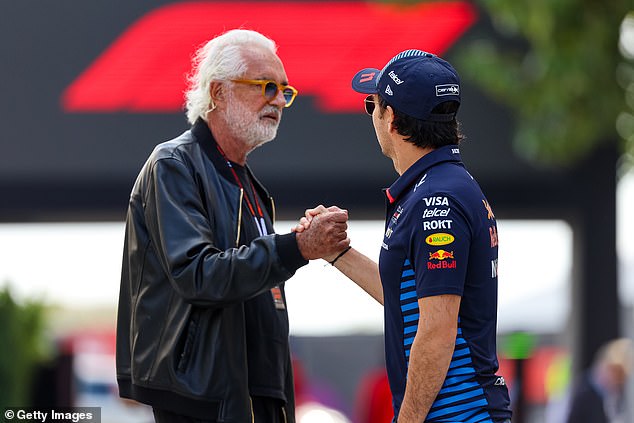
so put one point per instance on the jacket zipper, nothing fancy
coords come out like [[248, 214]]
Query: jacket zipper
[[239, 217], [284, 415], [273, 210]]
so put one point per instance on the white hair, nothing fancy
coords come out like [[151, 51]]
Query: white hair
[[219, 59]]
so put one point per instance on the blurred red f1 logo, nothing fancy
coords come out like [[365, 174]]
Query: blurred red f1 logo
[[322, 45]]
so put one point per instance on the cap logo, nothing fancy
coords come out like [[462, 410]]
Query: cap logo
[[365, 77], [395, 78], [388, 90], [447, 89]]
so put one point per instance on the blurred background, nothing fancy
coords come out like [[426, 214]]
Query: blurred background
[[88, 88]]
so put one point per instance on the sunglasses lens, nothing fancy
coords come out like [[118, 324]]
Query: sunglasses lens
[[270, 90], [288, 94], [369, 105]]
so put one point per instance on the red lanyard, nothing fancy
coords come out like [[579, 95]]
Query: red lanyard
[[246, 197]]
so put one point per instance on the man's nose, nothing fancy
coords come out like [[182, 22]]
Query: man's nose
[[279, 100]]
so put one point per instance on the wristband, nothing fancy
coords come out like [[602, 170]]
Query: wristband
[[340, 255]]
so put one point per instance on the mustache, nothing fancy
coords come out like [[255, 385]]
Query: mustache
[[271, 110]]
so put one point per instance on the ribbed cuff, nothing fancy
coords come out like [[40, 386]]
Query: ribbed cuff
[[289, 252]]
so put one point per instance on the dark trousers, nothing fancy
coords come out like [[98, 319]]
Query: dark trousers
[[265, 410]]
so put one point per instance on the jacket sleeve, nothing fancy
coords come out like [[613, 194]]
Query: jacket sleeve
[[181, 232]]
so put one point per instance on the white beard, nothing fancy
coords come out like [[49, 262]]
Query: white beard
[[248, 126]]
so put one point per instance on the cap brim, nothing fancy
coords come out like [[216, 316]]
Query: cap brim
[[365, 81]]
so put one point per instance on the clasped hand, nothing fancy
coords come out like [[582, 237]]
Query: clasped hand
[[321, 233]]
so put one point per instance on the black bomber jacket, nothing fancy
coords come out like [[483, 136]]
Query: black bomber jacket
[[181, 342]]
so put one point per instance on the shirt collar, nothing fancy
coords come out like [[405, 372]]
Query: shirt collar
[[448, 153]]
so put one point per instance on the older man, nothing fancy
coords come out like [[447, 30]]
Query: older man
[[202, 325]]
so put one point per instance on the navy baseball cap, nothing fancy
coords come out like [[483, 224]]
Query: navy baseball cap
[[413, 82]]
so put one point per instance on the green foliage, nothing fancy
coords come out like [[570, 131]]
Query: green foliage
[[557, 69], [21, 341], [625, 76]]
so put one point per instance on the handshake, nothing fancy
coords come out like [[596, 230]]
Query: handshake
[[321, 233]]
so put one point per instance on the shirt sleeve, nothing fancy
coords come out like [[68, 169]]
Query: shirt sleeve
[[439, 246]]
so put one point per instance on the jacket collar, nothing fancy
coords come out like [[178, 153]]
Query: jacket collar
[[448, 153], [207, 142], [203, 136]]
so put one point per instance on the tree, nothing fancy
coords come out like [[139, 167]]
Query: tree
[[21, 337], [562, 73]]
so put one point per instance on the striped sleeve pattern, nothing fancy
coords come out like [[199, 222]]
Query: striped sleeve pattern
[[461, 398], [409, 307]]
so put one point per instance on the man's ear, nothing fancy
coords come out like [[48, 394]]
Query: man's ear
[[217, 92], [389, 117]]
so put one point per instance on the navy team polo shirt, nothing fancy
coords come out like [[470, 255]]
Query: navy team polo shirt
[[441, 238]]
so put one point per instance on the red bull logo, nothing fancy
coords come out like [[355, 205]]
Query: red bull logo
[[443, 263], [441, 255]]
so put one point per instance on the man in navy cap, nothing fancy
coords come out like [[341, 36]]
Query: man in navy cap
[[437, 272]]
